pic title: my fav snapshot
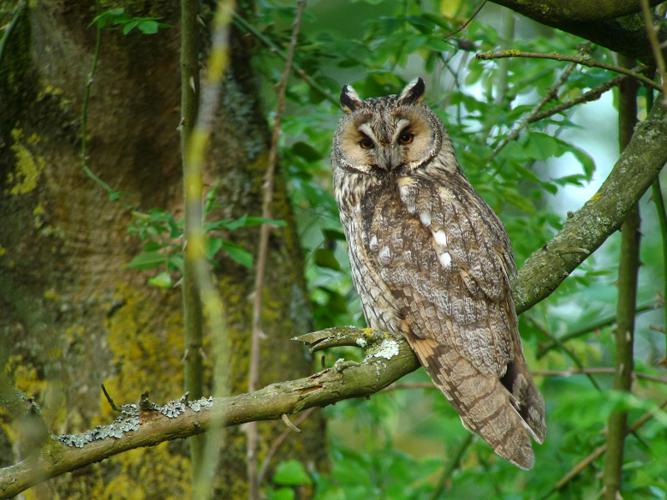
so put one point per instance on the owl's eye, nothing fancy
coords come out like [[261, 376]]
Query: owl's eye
[[406, 137], [366, 142]]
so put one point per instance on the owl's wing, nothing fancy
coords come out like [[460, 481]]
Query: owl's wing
[[446, 259]]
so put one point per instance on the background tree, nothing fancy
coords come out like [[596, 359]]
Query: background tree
[[529, 152]]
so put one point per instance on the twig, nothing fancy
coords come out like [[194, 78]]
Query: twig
[[601, 370], [278, 442], [551, 94], [20, 8], [595, 370], [465, 24], [193, 327], [598, 452], [655, 46], [583, 60], [109, 400], [627, 300], [590, 95], [262, 251], [662, 218], [542, 329], [245, 25], [196, 237], [112, 193], [452, 465], [506, 38], [585, 330]]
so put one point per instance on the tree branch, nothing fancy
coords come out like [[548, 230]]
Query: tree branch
[[627, 302], [387, 358], [603, 214]]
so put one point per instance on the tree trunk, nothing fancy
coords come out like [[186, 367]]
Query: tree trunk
[[73, 315]]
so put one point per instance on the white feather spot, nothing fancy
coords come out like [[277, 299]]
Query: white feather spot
[[445, 259], [374, 243], [425, 217], [440, 237], [385, 255]]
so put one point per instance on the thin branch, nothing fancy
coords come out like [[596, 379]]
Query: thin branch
[[575, 359], [196, 238], [655, 46], [599, 371], [662, 218], [262, 251], [590, 95], [583, 60], [275, 49], [585, 330], [278, 442], [90, 78], [627, 300], [18, 12], [452, 465], [109, 400], [193, 327], [465, 24], [598, 452], [552, 93]]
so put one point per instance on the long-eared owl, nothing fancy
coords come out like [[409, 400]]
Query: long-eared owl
[[431, 260]]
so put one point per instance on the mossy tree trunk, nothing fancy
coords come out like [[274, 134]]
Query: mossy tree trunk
[[72, 314]]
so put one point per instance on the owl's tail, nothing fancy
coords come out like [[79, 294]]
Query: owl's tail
[[506, 412]]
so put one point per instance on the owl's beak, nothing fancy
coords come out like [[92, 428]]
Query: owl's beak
[[390, 158]]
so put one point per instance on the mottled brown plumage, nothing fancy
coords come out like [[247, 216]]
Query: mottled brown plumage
[[431, 260]]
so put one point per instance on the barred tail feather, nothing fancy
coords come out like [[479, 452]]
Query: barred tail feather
[[484, 404]]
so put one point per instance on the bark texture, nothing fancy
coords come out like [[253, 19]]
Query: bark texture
[[73, 315]]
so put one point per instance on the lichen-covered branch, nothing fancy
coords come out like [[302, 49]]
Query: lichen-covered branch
[[603, 214], [387, 358]]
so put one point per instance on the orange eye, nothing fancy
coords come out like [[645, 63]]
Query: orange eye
[[406, 137], [366, 142]]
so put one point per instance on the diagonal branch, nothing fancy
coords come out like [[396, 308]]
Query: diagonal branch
[[387, 358], [603, 214]]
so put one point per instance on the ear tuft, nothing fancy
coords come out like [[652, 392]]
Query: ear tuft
[[413, 92], [349, 99]]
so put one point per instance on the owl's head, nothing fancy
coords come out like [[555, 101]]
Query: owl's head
[[384, 134]]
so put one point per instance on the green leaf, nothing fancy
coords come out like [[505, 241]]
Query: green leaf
[[129, 26], [324, 257], [306, 151], [237, 253], [162, 280], [282, 494], [147, 260], [148, 27], [291, 473]]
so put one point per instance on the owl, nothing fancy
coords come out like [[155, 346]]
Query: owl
[[431, 260]]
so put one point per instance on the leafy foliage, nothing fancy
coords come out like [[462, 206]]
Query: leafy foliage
[[161, 234], [398, 444]]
